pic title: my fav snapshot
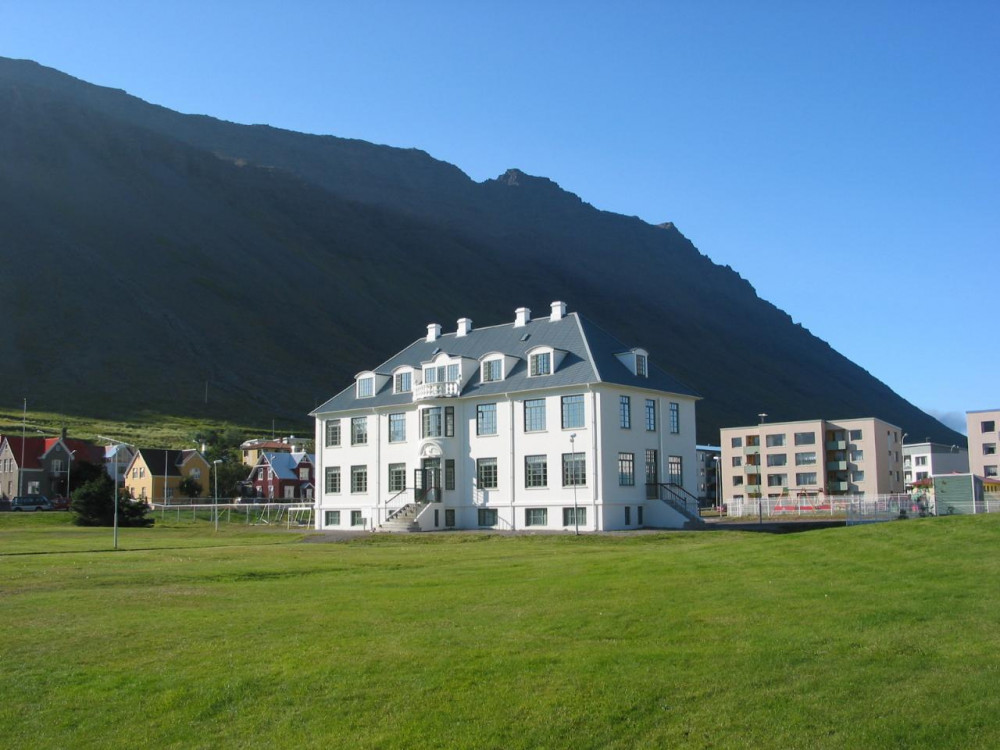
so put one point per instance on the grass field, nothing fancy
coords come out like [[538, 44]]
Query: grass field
[[865, 637]]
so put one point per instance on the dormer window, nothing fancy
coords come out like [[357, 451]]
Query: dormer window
[[366, 387], [492, 370], [641, 368], [402, 382], [540, 364], [441, 374]]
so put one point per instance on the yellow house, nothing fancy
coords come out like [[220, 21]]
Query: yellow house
[[155, 475]]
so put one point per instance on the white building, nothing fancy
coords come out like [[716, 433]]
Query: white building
[[537, 424], [927, 460]]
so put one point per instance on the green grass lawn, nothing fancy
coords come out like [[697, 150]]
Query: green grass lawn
[[865, 637]]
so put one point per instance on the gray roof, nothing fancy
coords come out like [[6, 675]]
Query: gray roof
[[590, 359]]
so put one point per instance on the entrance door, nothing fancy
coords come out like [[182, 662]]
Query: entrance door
[[427, 480]]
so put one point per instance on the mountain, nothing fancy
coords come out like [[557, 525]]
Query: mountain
[[151, 257]]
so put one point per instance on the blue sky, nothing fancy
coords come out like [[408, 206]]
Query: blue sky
[[843, 157]]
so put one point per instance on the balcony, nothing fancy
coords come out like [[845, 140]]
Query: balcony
[[751, 450], [424, 391], [752, 469], [836, 445], [836, 486], [836, 465]]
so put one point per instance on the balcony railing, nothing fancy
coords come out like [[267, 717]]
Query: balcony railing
[[448, 389], [836, 465], [836, 445]]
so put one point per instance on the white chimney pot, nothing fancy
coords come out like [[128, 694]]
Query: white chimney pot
[[433, 331], [522, 316], [464, 326], [558, 311]]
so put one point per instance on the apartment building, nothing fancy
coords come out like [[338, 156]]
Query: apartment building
[[926, 460], [548, 424], [810, 458], [983, 440]]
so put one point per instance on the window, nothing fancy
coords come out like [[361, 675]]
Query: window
[[675, 473], [641, 368], [989, 426], [855, 435], [737, 442], [397, 477], [805, 438], [777, 480], [492, 370], [486, 419], [574, 516], [359, 430], [775, 441], [777, 459], [536, 471], [359, 479], [989, 449], [366, 387], [650, 415], [737, 481], [449, 473], [857, 476], [402, 382], [57, 465], [304, 473], [536, 516], [332, 518], [487, 517], [441, 374], [572, 411], [574, 469], [626, 469], [857, 455], [806, 458], [628, 516], [808, 477], [486, 473], [625, 412], [397, 428], [675, 418], [437, 421], [332, 484], [356, 518], [753, 441], [534, 415], [540, 364], [989, 471], [332, 433], [921, 475], [920, 460], [737, 460], [449, 517]]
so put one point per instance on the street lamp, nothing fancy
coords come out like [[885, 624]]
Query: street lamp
[[216, 463], [718, 485], [576, 510], [69, 466], [117, 444]]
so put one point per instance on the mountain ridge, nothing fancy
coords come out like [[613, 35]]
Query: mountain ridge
[[258, 226]]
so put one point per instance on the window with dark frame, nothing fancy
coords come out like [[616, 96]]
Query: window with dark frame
[[625, 412], [534, 415], [536, 471], [332, 433], [486, 419], [572, 412], [650, 415], [486, 473], [626, 469]]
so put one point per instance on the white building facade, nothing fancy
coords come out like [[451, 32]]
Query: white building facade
[[547, 424]]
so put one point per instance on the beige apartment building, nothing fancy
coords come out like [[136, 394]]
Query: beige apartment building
[[983, 439], [812, 458]]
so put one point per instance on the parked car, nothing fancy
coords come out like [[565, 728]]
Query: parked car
[[60, 503], [30, 502]]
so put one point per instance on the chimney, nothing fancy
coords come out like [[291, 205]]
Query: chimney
[[558, 311], [464, 326], [522, 317], [433, 332]]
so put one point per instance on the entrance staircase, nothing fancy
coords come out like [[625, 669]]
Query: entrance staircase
[[403, 520], [683, 502]]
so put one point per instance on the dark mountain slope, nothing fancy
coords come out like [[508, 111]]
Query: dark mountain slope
[[276, 264]]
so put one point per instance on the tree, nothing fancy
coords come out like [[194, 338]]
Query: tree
[[94, 505], [189, 487]]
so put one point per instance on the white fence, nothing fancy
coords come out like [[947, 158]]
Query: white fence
[[266, 514], [856, 508]]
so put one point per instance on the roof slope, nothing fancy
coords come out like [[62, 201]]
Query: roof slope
[[589, 359]]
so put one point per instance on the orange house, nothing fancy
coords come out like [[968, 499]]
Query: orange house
[[154, 475]]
